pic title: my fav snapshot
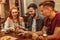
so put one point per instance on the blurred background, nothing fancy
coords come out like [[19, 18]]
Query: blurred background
[[22, 6]]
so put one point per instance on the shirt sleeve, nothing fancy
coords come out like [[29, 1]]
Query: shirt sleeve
[[6, 25], [23, 24], [58, 22]]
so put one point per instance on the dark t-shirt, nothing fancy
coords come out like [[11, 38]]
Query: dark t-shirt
[[51, 24]]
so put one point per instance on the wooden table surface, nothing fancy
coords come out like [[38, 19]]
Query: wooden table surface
[[2, 34]]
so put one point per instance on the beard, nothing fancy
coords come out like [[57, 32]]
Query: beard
[[33, 15]]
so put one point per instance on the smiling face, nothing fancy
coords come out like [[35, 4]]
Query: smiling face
[[14, 13], [46, 11], [31, 11]]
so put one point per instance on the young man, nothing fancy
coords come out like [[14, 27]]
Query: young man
[[52, 20], [35, 22]]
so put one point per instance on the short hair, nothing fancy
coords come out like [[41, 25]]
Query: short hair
[[34, 6], [42, 3], [48, 3]]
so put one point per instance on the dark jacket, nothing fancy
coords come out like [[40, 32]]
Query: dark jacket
[[39, 23]]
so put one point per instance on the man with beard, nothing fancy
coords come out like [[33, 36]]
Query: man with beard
[[35, 21]]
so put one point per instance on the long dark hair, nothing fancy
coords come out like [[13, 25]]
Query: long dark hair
[[10, 16]]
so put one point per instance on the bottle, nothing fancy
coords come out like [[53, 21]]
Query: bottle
[[45, 33]]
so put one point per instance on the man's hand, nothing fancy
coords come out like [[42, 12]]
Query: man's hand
[[34, 36]]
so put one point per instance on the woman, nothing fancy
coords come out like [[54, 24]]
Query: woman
[[14, 21]]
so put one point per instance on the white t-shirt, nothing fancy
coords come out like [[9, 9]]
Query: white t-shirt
[[34, 25]]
